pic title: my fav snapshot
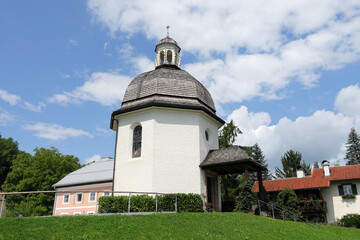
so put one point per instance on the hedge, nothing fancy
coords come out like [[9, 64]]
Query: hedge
[[145, 203], [351, 221]]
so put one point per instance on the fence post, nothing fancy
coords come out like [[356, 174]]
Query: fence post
[[156, 196], [97, 203], [283, 215], [259, 207], [176, 203], [2, 205], [272, 209], [129, 202], [295, 219]]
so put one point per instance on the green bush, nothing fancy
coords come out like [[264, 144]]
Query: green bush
[[142, 203], [351, 221], [145, 203], [189, 202], [245, 199], [288, 201], [116, 204], [166, 203]]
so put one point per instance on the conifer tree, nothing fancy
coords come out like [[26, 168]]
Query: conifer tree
[[258, 156], [353, 148], [290, 161]]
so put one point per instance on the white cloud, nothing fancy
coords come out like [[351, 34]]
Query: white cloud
[[34, 108], [6, 117], [94, 158], [12, 99], [104, 131], [54, 131], [104, 88], [240, 53], [318, 137], [348, 101]]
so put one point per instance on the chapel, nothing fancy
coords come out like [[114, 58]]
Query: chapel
[[167, 134]]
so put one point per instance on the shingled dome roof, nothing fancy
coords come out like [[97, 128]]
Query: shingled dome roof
[[167, 40], [169, 81], [166, 86]]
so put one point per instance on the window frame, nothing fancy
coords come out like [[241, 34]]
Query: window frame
[[106, 192], [68, 200], [76, 197], [136, 142], [95, 194]]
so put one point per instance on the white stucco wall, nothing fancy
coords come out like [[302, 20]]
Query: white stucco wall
[[173, 146], [338, 207]]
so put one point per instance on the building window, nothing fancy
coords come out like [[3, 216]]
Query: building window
[[91, 213], [79, 197], [63, 214], [137, 136], [92, 196], [207, 135], [347, 189], [66, 198], [107, 193], [77, 213]]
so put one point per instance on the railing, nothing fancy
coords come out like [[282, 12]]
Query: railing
[[285, 213], [156, 194]]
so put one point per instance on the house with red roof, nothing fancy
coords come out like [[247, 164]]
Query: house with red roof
[[337, 186]]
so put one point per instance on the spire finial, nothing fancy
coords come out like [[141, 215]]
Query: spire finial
[[167, 30]]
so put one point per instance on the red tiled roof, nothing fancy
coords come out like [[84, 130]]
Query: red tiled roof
[[316, 180]]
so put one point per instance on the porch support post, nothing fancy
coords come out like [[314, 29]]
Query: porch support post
[[247, 174], [261, 187]]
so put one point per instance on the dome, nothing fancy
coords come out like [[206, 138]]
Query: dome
[[166, 40], [169, 81], [166, 86]]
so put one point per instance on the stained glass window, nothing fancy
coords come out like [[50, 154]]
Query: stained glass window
[[137, 141]]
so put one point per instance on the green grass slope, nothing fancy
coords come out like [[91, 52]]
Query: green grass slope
[[167, 226]]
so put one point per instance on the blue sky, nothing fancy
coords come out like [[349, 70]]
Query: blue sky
[[286, 73]]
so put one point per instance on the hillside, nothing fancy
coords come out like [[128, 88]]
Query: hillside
[[166, 226]]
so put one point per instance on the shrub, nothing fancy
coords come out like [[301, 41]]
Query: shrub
[[166, 203], [189, 202], [145, 203], [245, 199], [142, 203], [351, 221], [289, 202]]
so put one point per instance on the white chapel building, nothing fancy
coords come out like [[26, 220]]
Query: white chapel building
[[167, 134]]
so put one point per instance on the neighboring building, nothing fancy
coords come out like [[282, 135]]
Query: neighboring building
[[167, 134], [79, 191], [326, 183]]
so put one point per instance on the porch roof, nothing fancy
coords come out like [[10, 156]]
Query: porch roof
[[230, 160]]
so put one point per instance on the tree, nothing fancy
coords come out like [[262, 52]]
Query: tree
[[258, 156], [353, 148], [37, 173], [306, 168], [245, 198], [228, 134], [8, 151], [229, 182], [290, 161], [316, 165], [288, 201]]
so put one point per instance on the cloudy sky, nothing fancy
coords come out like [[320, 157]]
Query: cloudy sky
[[287, 72]]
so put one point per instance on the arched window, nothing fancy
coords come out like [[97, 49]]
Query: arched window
[[169, 57], [137, 136]]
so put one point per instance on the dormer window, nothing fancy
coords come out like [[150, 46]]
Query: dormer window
[[137, 137]]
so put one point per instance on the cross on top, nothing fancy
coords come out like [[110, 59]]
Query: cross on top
[[167, 30]]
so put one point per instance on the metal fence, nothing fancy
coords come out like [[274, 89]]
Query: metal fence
[[113, 193]]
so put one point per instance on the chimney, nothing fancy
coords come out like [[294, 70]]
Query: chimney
[[300, 172], [325, 164]]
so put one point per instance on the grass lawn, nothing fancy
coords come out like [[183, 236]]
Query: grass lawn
[[166, 226]]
